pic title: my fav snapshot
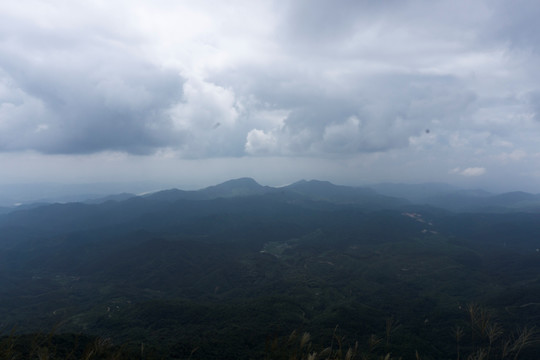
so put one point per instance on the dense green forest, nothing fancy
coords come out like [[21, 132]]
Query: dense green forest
[[242, 271]]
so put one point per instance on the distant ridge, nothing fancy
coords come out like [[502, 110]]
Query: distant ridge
[[416, 193], [116, 197], [379, 196], [326, 191], [450, 198], [236, 187], [312, 190], [316, 193], [231, 188]]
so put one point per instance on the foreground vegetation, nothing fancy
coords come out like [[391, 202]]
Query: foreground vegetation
[[483, 339]]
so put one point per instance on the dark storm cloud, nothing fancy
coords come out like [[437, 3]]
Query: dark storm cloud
[[318, 22], [354, 114], [82, 93], [358, 76], [533, 98], [382, 113], [515, 22]]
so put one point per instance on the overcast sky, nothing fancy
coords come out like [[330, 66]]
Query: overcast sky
[[192, 93]]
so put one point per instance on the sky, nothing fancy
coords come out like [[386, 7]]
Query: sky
[[193, 93]]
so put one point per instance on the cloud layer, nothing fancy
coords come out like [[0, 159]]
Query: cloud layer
[[448, 79]]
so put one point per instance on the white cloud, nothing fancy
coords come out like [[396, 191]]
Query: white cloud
[[470, 171], [259, 142], [342, 136], [205, 104], [516, 155]]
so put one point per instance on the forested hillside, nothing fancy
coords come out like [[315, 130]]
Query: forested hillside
[[227, 271]]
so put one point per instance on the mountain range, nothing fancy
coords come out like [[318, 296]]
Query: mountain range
[[374, 196]]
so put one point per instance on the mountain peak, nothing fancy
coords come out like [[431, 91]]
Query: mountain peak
[[311, 183], [236, 187], [244, 181]]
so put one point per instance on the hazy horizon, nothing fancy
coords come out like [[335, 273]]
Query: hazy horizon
[[28, 193]]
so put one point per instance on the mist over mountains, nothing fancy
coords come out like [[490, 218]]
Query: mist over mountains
[[182, 270], [436, 194]]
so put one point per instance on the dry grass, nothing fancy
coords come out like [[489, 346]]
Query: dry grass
[[301, 348], [51, 347], [489, 340]]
